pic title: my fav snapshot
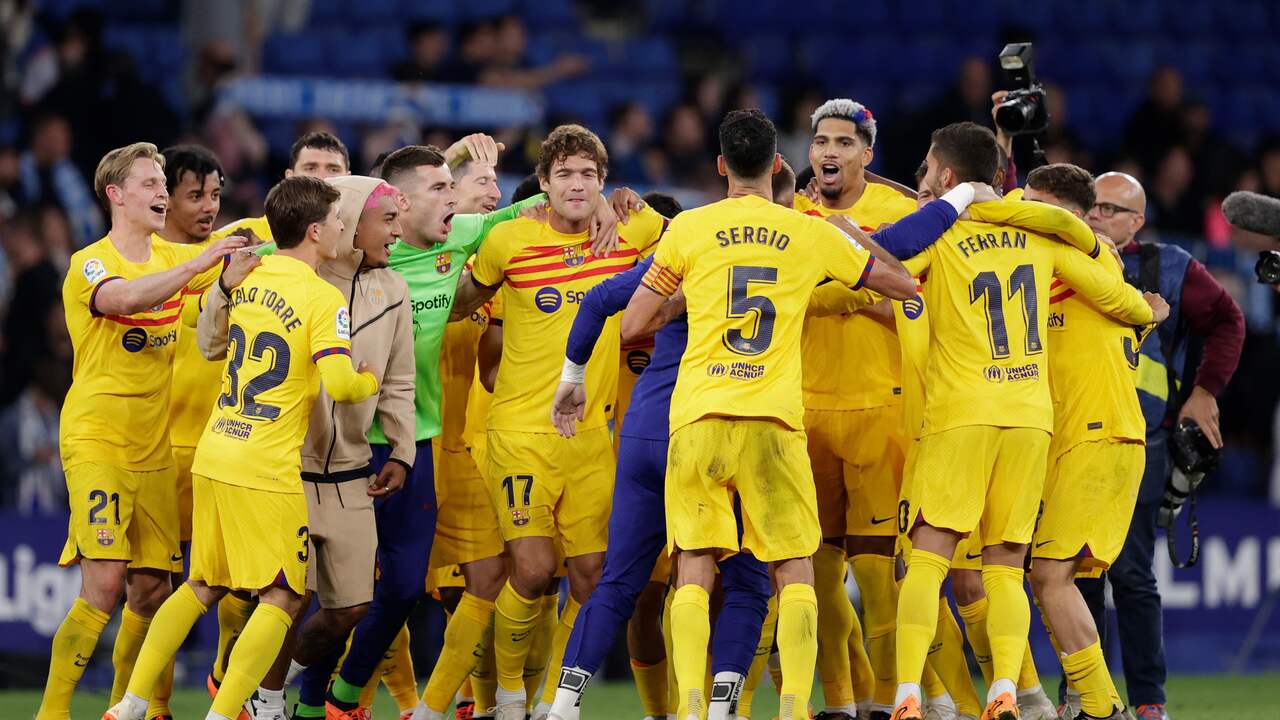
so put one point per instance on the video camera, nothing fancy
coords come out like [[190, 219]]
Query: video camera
[[1024, 110]]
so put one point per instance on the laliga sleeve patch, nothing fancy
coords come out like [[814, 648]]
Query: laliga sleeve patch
[[94, 270], [343, 325]]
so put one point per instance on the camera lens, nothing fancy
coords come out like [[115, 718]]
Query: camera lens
[[1014, 115], [1268, 267]]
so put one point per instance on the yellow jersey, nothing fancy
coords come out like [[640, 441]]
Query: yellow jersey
[[544, 274], [832, 345], [195, 380], [479, 399], [258, 225], [116, 409], [1093, 359], [457, 372], [282, 320], [748, 268], [988, 330]]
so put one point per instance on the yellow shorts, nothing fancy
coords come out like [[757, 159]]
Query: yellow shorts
[[182, 457], [248, 539], [857, 458], [466, 525], [119, 514], [1089, 497], [545, 485], [447, 576], [765, 464], [980, 479]]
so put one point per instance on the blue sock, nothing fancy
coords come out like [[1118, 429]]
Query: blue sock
[[746, 602], [314, 681], [374, 635]]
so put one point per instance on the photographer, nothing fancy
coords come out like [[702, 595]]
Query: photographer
[[1171, 387]]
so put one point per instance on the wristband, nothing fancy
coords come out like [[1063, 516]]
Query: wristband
[[573, 373], [959, 197]]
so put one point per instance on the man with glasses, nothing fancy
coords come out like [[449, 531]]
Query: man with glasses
[[1202, 314]]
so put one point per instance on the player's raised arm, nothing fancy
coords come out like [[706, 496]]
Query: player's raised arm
[[858, 264], [1042, 219], [1107, 289], [126, 297]]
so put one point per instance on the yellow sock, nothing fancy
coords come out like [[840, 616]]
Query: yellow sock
[[468, 633], [159, 705], [761, 660], [484, 681], [233, 613], [399, 678], [690, 632], [72, 647], [465, 691], [561, 639], [251, 658], [975, 625], [837, 623], [170, 626], [1008, 621], [651, 686], [133, 630], [1028, 678], [879, 587], [673, 687], [540, 647], [946, 657], [863, 674], [797, 649], [514, 620], [930, 682], [918, 612], [1087, 670], [369, 693]]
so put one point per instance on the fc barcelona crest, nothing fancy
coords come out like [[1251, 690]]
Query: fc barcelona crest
[[573, 256], [106, 537], [443, 263], [520, 518]]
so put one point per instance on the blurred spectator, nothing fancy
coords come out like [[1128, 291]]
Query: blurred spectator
[[505, 63], [215, 66], [1172, 209], [1157, 124], [685, 143], [476, 48], [428, 50], [1269, 166], [796, 132], [47, 176], [630, 136], [969, 98], [10, 169], [36, 286], [33, 482]]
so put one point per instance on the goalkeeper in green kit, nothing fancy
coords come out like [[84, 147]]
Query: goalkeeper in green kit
[[431, 256]]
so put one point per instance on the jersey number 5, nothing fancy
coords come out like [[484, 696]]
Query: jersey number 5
[[742, 304], [986, 285], [263, 343]]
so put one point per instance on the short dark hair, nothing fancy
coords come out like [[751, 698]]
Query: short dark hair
[[196, 159], [1070, 183], [568, 141], [319, 140], [407, 159], [294, 204], [748, 142], [784, 179], [802, 180], [967, 148], [527, 188], [665, 203]]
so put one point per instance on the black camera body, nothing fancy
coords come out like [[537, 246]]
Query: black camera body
[[1191, 450], [1025, 109], [1268, 267]]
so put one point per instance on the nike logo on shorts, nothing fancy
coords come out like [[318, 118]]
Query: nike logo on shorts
[[881, 521], [967, 556], [1042, 544]]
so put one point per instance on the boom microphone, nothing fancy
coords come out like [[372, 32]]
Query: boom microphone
[[1253, 212]]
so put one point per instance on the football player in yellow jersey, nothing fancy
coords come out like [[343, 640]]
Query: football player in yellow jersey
[[1096, 458], [988, 414], [288, 329], [122, 300], [546, 487], [748, 269], [853, 421]]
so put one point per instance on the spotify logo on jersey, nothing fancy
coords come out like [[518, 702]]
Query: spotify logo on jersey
[[547, 299], [913, 307], [134, 339]]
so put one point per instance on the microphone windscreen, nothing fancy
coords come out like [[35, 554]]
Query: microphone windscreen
[[1253, 212]]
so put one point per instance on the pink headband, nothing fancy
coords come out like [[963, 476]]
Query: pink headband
[[381, 190]]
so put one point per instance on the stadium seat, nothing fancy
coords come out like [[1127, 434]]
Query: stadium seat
[[355, 54], [1243, 18], [549, 14], [770, 56], [650, 56], [297, 54], [444, 13]]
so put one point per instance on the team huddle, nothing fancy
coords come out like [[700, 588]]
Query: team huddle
[[697, 422]]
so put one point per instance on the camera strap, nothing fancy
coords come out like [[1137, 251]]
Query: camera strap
[[1194, 556]]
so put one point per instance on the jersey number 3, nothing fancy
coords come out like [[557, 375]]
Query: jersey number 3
[[263, 343], [986, 286], [742, 304]]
